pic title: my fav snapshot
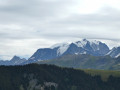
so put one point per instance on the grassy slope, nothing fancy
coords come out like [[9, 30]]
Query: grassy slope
[[82, 62], [103, 73]]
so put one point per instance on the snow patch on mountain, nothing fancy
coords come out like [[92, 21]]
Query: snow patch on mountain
[[110, 52], [117, 55], [115, 52], [80, 44], [95, 42], [62, 47]]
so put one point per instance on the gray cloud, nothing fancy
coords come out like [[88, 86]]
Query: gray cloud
[[26, 25]]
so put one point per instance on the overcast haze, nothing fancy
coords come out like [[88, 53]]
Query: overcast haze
[[26, 25]]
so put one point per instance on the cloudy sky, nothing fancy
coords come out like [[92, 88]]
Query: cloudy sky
[[26, 25]]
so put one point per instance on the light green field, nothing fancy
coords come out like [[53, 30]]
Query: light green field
[[103, 73]]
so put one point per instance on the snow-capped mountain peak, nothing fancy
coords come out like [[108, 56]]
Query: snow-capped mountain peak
[[89, 45], [84, 46], [93, 43]]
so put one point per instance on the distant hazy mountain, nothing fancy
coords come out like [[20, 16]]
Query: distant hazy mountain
[[95, 48], [115, 52], [14, 61], [17, 60]]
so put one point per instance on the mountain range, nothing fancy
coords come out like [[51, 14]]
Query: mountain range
[[14, 61], [90, 47], [84, 46], [87, 47]]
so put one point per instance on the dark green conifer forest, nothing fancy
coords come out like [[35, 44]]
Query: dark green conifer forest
[[51, 77]]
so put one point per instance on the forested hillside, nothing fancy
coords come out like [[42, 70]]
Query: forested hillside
[[50, 77]]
